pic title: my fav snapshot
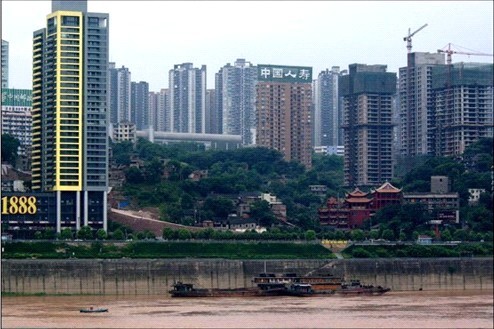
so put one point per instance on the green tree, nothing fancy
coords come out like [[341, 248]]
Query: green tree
[[134, 175], [184, 234], [261, 211], [460, 235], [310, 235], [49, 234], [38, 235], [168, 233], [118, 234], [388, 235], [374, 235], [153, 171], [480, 219], [361, 253], [219, 206], [357, 235], [85, 233], [122, 152], [10, 145], [149, 235], [340, 235], [66, 234], [101, 234], [446, 235]]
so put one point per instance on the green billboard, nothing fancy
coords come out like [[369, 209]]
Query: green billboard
[[17, 97], [283, 73]]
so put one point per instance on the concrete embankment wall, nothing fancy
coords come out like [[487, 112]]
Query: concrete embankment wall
[[154, 277]]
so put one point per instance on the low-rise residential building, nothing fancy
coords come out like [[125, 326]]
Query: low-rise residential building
[[124, 131], [424, 239], [13, 180], [474, 196], [319, 190]]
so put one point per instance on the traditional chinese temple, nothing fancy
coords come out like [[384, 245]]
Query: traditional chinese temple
[[351, 212], [386, 195]]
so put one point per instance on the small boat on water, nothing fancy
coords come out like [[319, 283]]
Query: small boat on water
[[93, 310]]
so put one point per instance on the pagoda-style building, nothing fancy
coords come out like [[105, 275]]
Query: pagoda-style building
[[358, 206], [386, 195], [335, 214]]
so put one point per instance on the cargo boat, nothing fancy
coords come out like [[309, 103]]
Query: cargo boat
[[269, 289], [285, 285], [323, 284]]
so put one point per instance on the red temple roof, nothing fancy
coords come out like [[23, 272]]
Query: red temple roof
[[358, 200], [388, 188], [357, 193]]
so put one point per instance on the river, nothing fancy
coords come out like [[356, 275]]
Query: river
[[419, 309]]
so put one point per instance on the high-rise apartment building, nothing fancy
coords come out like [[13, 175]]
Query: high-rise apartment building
[[283, 109], [139, 108], [327, 110], [417, 112], [187, 98], [5, 64], [157, 107], [119, 91], [212, 117], [16, 116], [463, 101], [70, 114], [236, 94], [368, 130]]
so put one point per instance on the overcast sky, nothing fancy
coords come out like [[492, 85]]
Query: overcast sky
[[149, 37]]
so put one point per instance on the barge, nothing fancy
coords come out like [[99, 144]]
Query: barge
[[285, 285]]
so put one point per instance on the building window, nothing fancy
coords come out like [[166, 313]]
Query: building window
[[70, 21]]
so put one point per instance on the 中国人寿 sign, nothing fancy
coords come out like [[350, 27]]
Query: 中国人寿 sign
[[281, 73]]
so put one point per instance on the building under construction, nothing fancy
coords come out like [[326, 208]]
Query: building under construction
[[368, 92], [463, 102], [417, 118]]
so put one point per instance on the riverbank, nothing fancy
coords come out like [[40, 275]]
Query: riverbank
[[155, 276]]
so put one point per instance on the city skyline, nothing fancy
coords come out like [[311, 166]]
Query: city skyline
[[288, 33]]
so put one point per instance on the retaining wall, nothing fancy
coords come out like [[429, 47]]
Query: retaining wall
[[154, 277]]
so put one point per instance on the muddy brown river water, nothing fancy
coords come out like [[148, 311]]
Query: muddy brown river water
[[420, 309]]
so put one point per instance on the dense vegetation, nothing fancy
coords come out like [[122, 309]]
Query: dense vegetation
[[231, 250], [385, 251], [230, 173], [10, 145], [102, 250]]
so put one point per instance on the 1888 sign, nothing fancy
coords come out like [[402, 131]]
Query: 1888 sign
[[13, 205]]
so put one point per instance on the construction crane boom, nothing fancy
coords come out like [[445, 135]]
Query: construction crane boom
[[450, 52], [408, 38]]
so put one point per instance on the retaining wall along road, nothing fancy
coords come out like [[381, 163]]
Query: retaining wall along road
[[155, 276]]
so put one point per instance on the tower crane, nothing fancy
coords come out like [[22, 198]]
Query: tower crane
[[450, 51], [408, 38]]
